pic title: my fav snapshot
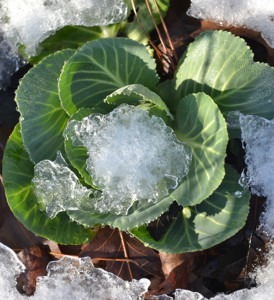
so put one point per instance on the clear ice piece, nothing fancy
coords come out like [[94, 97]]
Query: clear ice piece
[[253, 14], [132, 157], [58, 189]]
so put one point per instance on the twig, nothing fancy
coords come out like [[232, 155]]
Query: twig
[[125, 253]]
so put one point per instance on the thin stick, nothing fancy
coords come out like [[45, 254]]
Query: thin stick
[[166, 32], [98, 258], [125, 253], [156, 27], [142, 28]]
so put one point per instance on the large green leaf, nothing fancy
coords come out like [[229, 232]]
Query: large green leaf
[[200, 124], [101, 67], [17, 176], [72, 37], [205, 225], [139, 95], [42, 117], [221, 65], [134, 218], [133, 29]]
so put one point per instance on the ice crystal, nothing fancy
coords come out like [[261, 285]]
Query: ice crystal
[[258, 138], [70, 279], [10, 268], [132, 157], [58, 189]]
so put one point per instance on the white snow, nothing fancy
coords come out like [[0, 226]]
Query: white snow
[[29, 22], [253, 14], [10, 268], [70, 279], [132, 156], [257, 135]]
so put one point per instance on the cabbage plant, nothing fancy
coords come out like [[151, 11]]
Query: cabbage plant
[[101, 141]]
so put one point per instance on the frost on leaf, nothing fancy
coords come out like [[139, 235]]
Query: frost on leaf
[[132, 157], [258, 139], [58, 189]]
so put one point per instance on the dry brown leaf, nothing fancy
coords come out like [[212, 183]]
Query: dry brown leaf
[[35, 260], [107, 249]]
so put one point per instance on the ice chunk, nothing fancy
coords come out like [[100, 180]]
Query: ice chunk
[[258, 138], [253, 14], [132, 157], [58, 189], [10, 268], [29, 22], [185, 294], [71, 279]]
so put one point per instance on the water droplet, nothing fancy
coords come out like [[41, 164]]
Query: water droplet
[[244, 180], [238, 194]]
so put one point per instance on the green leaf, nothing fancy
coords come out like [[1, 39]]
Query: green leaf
[[17, 176], [42, 117], [101, 67], [134, 218], [139, 95], [133, 29], [221, 65], [200, 124], [72, 37], [200, 227]]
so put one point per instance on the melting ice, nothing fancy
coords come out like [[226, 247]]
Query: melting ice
[[253, 14], [132, 157], [29, 22], [58, 189], [70, 279]]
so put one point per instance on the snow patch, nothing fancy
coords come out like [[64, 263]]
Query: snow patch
[[132, 157], [29, 22], [258, 139], [253, 14], [10, 268], [70, 279]]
